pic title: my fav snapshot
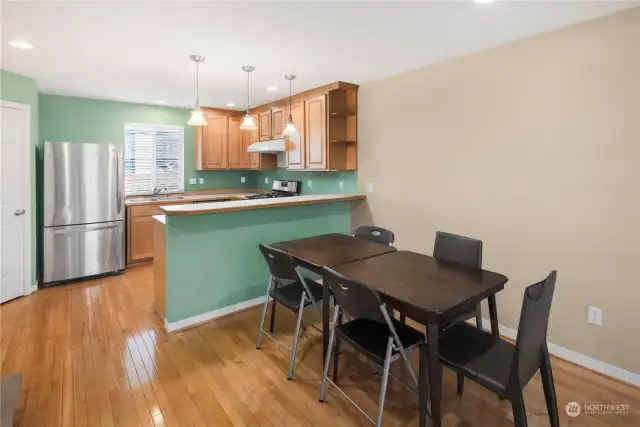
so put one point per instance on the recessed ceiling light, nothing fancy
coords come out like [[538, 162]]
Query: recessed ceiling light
[[161, 102], [484, 1], [230, 104], [21, 44], [272, 88]]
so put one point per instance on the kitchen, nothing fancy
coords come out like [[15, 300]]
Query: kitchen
[[154, 170]]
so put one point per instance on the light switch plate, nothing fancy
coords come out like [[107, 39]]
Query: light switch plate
[[341, 185], [266, 180], [369, 187], [192, 181], [243, 179], [309, 184], [201, 180]]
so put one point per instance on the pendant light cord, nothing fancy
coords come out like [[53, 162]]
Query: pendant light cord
[[248, 92], [197, 85]]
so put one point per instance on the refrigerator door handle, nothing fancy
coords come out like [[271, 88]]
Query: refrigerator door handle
[[81, 229], [118, 195]]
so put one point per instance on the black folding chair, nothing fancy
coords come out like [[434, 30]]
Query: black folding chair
[[372, 332], [289, 288], [502, 367]]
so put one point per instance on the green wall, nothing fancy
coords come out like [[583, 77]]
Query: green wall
[[213, 260], [23, 90], [89, 120]]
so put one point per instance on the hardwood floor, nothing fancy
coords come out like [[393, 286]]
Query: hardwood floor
[[95, 354]]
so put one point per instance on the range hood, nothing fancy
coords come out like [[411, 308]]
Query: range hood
[[272, 146]]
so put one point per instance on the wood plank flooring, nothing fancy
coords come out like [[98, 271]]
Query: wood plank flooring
[[95, 354]]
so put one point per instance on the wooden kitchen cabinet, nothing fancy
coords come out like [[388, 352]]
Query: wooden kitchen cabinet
[[212, 143], [278, 120], [316, 133], [264, 125], [141, 238], [248, 138], [236, 143], [296, 142]]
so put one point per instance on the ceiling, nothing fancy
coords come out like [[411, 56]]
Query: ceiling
[[139, 51]]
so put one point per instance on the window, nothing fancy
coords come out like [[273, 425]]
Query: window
[[153, 158]]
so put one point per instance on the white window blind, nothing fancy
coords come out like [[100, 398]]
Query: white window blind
[[154, 157]]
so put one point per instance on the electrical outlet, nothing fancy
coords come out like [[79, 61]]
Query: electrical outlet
[[594, 315], [369, 187], [243, 179], [341, 185], [192, 181], [201, 180], [309, 184], [266, 180]]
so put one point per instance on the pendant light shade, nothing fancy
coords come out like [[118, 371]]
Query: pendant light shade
[[197, 118], [247, 120], [290, 127], [248, 123]]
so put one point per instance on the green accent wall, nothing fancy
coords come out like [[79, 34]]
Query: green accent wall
[[213, 260], [23, 90], [90, 120], [321, 182]]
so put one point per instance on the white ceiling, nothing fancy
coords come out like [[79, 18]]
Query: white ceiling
[[139, 51]]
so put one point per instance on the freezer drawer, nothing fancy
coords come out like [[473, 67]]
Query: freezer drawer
[[77, 251]]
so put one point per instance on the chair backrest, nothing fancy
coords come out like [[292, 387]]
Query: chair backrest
[[374, 234], [281, 265], [532, 330], [354, 298], [459, 249]]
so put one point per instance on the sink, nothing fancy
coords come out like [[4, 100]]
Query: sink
[[156, 199]]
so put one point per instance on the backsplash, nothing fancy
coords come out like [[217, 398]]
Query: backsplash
[[321, 182]]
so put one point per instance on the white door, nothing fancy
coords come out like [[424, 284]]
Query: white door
[[15, 215]]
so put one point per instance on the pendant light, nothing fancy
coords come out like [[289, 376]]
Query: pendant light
[[247, 120], [290, 128], [197, 119]]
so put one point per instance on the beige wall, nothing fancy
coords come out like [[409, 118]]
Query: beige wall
[[533, 147]]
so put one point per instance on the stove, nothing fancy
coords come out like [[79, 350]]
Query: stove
[[279, 189]]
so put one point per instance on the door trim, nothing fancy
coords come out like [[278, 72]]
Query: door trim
[[27, 286]]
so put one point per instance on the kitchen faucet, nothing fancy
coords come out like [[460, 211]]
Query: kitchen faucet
[[157, 190]]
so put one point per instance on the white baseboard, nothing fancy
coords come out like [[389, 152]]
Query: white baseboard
[[575, 357], [210, 315]]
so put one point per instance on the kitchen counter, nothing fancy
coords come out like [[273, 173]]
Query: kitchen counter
[[242, 205], [195, 196]]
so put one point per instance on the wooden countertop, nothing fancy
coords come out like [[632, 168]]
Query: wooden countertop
[[192, 196], [243, 205]]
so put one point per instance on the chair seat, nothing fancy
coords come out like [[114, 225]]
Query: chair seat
[[477, 354], [291, 294], [371, 337]]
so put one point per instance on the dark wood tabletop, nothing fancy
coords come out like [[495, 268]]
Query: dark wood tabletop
[[424, 285], [328, 250]]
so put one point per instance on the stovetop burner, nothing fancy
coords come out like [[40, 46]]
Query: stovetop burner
[[279, 189]]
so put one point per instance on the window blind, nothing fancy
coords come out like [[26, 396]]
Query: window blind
[[154, 157]]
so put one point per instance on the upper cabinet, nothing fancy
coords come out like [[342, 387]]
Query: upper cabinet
[[326, 122], [295, 142]]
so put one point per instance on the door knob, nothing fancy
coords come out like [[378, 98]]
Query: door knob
[[18, 212]]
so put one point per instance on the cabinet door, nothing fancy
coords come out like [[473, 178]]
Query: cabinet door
[[141, 238], [215, 143], [277, 122], [264, 125], [316, 133], [254, 137], [295, 142], [247, 140], [235, 143]]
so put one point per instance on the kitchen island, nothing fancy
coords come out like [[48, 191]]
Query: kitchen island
[[207, 259]]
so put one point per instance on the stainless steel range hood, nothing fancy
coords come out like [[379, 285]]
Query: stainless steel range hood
[[272, 146]]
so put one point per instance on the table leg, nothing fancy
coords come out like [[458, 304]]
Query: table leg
[[435, 375], [273, 309], [423, 387], [493, 313], [325, 320]]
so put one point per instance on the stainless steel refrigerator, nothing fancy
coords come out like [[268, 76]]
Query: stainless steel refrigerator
[[83, 210]]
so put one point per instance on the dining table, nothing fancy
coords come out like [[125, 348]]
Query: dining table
[[430, 292], [329, 250]]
